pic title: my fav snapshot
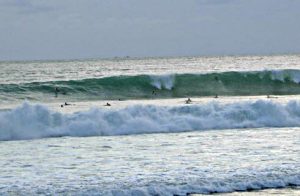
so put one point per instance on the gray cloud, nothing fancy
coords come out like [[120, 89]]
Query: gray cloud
[[40, 29], [24, 7]]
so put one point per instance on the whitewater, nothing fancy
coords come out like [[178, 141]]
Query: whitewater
[[239, 133]]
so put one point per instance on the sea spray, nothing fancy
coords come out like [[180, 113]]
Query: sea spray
[[163, 81]]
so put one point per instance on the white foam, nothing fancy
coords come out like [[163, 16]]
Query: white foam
[[163, 81], [199, 186], [37, 121], [258, 182]]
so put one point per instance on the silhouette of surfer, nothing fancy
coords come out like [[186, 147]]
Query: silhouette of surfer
[[56, 91], [271, 97], [154, 93], [188, 101], [66, 104], [107, 104]]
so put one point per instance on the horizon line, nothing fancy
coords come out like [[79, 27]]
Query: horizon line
[[128, 57]]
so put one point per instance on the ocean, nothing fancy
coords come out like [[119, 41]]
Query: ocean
[[124, 126]]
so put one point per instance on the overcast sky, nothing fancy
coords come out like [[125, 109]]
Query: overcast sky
[[67, 29]]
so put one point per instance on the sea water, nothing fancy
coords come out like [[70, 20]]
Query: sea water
[[149, 141]]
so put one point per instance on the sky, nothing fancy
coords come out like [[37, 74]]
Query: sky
[[76, 29]]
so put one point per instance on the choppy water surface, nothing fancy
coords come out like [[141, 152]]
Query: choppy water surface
[[58, 81], [149, 141], [163, 164], [40, 71]]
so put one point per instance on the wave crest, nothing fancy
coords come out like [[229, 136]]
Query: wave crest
[[279, 82]]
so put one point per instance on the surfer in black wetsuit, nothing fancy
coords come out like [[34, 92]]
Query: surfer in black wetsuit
[[188, 101], [154, 93], [217, 80], [56, 91], [65, 104], [107, 104]]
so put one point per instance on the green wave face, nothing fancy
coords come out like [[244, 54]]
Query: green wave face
[[166, 86]]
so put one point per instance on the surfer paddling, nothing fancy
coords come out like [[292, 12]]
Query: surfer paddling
[[66, 104], [271, 97]]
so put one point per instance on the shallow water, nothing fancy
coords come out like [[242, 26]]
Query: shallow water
[[164, 164], [281, 191]]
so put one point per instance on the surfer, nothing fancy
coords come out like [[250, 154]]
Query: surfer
[[56, 91], [154, 93], [216, 78], [188, 101], [107, 104], [67, 104], [271, 97]]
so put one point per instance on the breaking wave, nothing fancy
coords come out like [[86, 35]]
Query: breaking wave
[[277, 82], [37, 121]]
